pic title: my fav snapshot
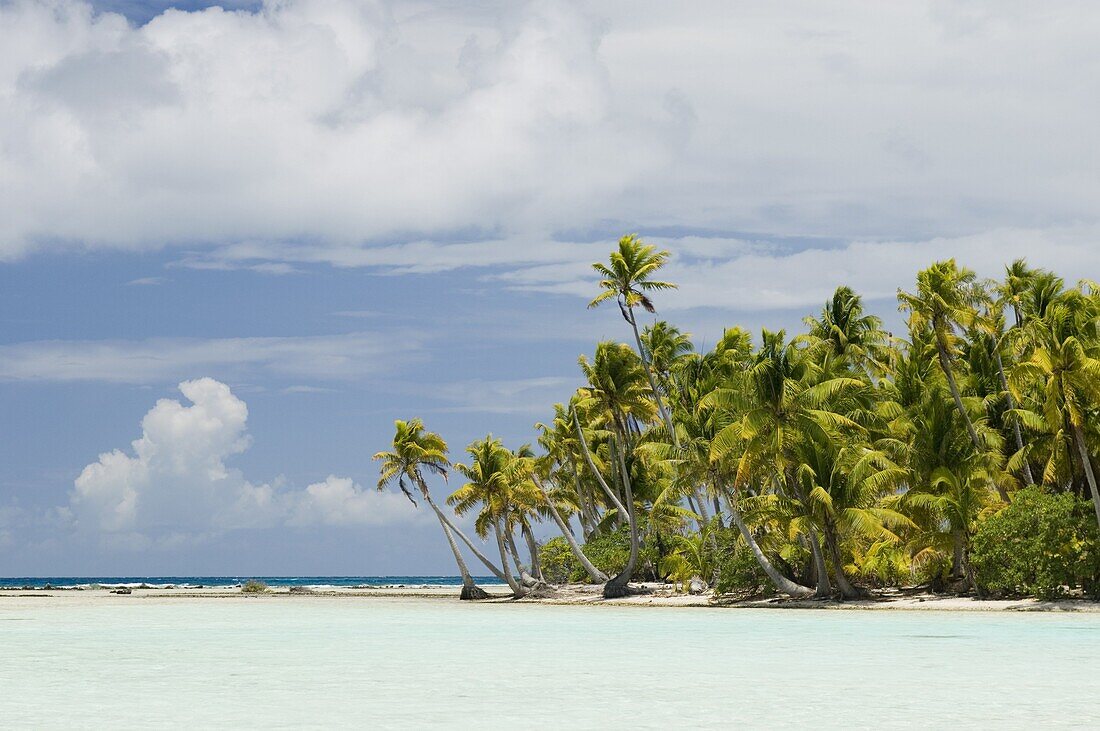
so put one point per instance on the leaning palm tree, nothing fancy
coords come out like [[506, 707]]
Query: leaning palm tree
[[945, 299], [414, 451], [626, 279], [491, 476]]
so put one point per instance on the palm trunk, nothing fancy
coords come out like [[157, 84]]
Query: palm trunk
[[701, 499], [846, 589], [782, 583], [592, 466], [665, 416], [469, 544], [824, 588], [1028, 478], [594, 573], [1090, 476], [517, 590], [470, 590], [588, 521], [945, 365], [524, 576], [821, 572], [957, 570], [619, 585], [533, 549]]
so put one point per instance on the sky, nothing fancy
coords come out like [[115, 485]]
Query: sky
[[238, 241]]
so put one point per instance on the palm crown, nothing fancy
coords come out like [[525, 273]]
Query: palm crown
[[628, 276], [414, 449]]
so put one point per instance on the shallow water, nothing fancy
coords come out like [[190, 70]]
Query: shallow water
[[87, 582], [385, 663]]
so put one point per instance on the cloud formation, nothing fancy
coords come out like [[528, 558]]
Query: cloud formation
[[328, 120], [421, 136], [746, 275], [176, 484], [331, 357]]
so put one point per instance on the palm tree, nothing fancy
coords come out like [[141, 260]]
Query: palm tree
[[945, 299], [944, 474], [616, 397], [491, 477], [780, 401], [593, 573], [414, 451], [1067, 374], [627, 281], [847, 332]]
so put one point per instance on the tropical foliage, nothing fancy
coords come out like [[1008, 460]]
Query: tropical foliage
[[961, 454]]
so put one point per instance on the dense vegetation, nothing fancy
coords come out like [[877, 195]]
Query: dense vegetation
[[962, 455]]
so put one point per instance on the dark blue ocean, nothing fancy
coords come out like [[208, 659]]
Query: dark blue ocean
[[82, 582]]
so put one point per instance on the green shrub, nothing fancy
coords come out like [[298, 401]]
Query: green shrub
[[253, 586], [559, 565], [737, 569], [610, 552], [1042, 544]]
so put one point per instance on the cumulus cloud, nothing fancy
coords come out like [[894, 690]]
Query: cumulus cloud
[[423, 136], [175, 484], [340, 501], [158, 359], [330, 120]]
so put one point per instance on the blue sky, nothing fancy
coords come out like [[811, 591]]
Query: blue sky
[[343, 213]]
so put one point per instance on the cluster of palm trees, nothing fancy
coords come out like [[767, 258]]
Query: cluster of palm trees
[[842, 457]]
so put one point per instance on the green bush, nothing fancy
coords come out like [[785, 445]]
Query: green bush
[[253, 586], [1042, 544], [559, 565], [737, 568], [610, 552]]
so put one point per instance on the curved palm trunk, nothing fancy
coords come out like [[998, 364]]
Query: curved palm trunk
[[782, 583], [517, 590], [945, 365], [594, 573], [821, 572], [587, 514], [1090, 476], [619, 585], [470, 590], [533, 549], [846, 589], [1028, 478], [592, 466], [465, 539], [525, 578], [824, 588]]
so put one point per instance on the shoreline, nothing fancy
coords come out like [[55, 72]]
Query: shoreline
[[657, 595]]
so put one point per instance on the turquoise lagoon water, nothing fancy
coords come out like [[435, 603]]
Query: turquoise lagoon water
[[84, 661]]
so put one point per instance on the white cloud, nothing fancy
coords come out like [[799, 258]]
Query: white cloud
[[335, 121], [339, 501], [160, 359], [770, 276], [336, 131], [176, 484]]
